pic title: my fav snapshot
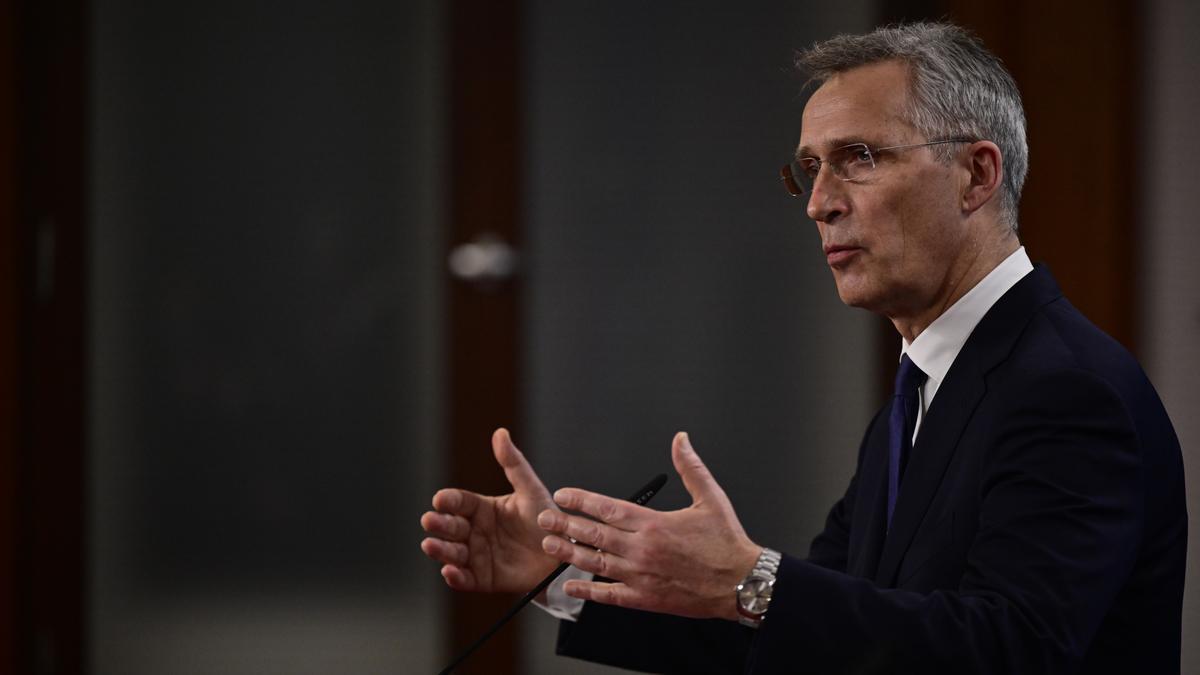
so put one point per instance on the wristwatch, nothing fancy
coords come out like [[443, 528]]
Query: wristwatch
[[754, 593]]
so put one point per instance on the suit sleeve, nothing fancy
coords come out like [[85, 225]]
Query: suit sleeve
[[655, 643], [1061, 504]]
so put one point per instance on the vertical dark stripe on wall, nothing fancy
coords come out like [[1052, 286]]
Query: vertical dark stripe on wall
[[44, 314], [1075, 63], [484, 174], [10, 294]]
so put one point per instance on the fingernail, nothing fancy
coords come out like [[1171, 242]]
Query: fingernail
[[560, 497], [687, 442], [545, 519], [550, 544]]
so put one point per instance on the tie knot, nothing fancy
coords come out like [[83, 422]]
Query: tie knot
[[908, 377]]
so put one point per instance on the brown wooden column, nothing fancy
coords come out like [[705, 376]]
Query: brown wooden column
[[42, 318], [484, 370], [1076, 63], [10, 328]]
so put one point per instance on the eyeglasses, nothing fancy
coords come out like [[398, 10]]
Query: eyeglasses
[[849, 163]]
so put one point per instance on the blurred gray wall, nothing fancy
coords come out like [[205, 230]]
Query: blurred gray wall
[[265, 331], [1170, 283], [673, 284]]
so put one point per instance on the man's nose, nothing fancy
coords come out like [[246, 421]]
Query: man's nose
[[827, 199]]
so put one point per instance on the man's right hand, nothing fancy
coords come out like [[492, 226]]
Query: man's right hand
[[492, 543]]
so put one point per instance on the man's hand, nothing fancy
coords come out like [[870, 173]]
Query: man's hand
[[684, 562], [491, 543]]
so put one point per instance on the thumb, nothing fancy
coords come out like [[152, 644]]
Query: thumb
[[697, 479], [517, 470]]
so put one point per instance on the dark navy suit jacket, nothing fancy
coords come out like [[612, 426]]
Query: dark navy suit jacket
[[1041, 527]]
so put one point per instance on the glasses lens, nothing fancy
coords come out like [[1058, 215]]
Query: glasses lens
[[794, 179], [852, 162]]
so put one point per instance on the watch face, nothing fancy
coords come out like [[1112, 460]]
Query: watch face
[[754, 595]]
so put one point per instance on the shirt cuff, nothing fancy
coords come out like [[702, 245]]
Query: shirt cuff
[[560, 605]]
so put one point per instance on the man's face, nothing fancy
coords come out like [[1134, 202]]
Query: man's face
[[894, 239]]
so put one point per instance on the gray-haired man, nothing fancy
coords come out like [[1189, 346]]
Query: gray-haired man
[[1017, 507]]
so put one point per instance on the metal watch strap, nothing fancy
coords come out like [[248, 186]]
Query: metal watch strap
[[766, 567], [767, 563]]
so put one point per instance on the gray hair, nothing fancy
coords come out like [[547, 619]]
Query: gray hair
[[957, 88]]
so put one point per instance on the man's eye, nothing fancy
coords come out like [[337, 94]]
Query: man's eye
[[810, 167], [860, 155]]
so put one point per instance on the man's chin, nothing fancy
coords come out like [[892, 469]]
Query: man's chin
[[858, 297]]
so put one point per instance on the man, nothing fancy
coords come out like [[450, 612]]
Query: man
[[1017, 507]]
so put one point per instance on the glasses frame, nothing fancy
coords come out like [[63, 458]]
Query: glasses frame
[[794, 181]]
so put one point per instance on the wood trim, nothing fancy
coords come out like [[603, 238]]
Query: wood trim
[[10, 323], [43, 345], [484, 370], [1076, 65]]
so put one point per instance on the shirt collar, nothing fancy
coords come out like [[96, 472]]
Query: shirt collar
[[937, 346]]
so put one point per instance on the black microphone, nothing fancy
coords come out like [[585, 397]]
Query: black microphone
[[640, 498]]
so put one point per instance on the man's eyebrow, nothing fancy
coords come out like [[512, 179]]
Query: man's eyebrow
[[806, 151]]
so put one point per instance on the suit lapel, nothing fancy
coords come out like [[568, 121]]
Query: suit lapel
[[867, 538], [955, 403]]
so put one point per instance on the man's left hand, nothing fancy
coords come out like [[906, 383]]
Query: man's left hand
[[684, 562]]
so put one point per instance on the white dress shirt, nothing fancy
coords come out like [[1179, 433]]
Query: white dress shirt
[[933, 352], [937, 346]]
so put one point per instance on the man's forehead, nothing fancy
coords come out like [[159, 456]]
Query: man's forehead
[[866, 104], [818, 139]]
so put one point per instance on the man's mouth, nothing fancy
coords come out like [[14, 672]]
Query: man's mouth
[[839, 254]]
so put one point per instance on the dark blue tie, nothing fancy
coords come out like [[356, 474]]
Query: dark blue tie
[[901, 423]]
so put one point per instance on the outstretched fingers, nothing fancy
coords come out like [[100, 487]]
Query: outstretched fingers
[[449, 552], [454, 558], [459, 578], [615, 512], [584, 530], [458, 502], [516, 468], [446, 526], [617, 594], [697, 479], [586, 558]]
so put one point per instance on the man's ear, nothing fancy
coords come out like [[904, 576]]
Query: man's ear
[[985, 167]]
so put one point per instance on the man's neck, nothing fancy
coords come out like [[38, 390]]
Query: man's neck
[[957, 284]]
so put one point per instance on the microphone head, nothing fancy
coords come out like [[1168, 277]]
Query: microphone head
[[646, 493]]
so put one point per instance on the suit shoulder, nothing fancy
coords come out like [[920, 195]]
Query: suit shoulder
[[1060, 352], [1059, 338]]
